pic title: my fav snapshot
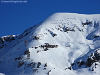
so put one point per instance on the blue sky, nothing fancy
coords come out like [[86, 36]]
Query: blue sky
[[16, 17]]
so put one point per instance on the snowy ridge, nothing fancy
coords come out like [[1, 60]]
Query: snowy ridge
[[65, 43]]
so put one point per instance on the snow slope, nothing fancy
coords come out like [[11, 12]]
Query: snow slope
[[64, 44]]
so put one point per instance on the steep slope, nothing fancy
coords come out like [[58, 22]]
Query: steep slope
[[65, 43]]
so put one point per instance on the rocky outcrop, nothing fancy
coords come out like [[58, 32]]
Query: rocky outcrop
[[4, 39], [91, 61]]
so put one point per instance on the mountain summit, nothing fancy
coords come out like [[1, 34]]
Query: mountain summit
[[64, 44]]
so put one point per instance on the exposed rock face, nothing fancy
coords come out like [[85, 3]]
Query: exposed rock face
[[6, 39], [91, 60]]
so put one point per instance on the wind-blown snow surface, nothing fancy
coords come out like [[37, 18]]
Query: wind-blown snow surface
[[64, 44]]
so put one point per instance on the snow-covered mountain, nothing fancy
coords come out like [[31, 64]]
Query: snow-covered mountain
[[64, 44]]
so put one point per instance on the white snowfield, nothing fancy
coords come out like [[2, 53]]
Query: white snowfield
[[64, 44]]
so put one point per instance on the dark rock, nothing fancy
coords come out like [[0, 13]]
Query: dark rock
[[86, 23], [46, 49], [54, 35], [45, 65], [36, 37], [18, 58], [34, 70], [49, 72], [1, 41], [36, 47], [81, 63], [20, 63], [69, 68], [38, 65], [96, 36], [26, 52], [44, 69]]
